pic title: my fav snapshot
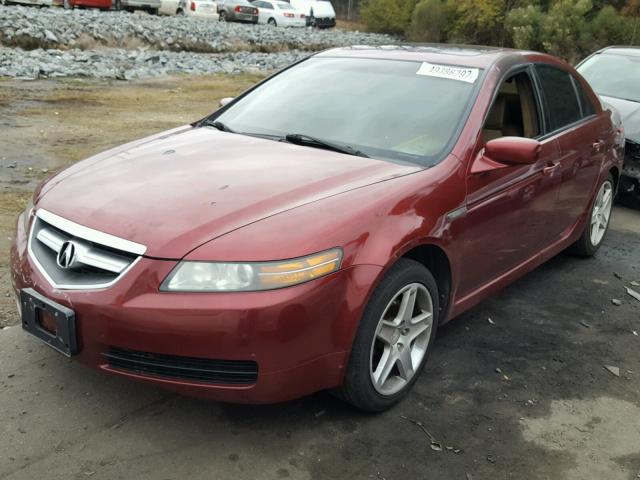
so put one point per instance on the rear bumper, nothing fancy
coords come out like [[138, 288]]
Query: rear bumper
[[299, 337], [242, 17]]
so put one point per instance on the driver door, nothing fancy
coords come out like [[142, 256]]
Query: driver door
[[510, 213]]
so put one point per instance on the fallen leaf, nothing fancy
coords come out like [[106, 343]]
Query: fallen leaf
[[435, 446], [633, 293], [617, 275], [584, 324], [634, 283], [613, 370], [616, 302], [491, 321]]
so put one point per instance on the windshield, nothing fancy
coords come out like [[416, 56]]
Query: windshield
[[383, 108], [613, 75]]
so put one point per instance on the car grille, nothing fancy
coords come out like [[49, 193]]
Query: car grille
[[185, 368], [91, 259]]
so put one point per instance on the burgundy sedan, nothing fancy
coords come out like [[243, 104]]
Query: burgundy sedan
[[315, 231]]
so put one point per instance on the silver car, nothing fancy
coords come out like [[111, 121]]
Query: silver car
[[237, 11]]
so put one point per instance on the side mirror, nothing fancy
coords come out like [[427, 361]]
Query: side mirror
[[506, 151], [224, 101]]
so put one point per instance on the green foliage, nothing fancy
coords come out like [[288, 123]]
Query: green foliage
[[427, 21], [570, 29], [563, 27], [477, 21], [524, 25], [387, 16]]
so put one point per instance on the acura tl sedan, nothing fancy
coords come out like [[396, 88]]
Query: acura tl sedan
[[314, 232]]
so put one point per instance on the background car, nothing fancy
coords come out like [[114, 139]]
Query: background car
[[43, 3], [277, 13], [151, 6], [206, 9], [319, 13], [237, 11], [171, 7], [69, 4], [614, 74]]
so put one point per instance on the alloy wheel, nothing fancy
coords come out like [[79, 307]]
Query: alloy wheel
[[601, 212], [401, 340]]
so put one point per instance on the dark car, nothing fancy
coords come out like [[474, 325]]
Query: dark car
[[314, 232], [614, 74], [237, 11]]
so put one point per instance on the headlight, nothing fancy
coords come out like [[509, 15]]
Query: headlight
[[226, 277], [28, 213]]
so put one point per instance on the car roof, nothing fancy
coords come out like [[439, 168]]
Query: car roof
[[448, 54], [622, 50]]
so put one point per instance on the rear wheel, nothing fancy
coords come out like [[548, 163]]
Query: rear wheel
[[598, 221], [394, 337], [272, 22], [117, 5], [223, 16]]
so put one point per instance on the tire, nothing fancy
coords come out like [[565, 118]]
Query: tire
[[67, 5], [383, 334], [600, 213], [223, 16], [153, 11], [180, 12], [272, 22], [117, 5]]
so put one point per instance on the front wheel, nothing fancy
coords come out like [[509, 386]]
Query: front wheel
[[598, 221], [223, 16], [394, 337], [272, 22]]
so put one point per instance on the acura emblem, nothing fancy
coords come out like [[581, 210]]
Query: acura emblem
[[66, 255]]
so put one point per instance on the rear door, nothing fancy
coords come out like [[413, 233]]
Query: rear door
[[571, 118]]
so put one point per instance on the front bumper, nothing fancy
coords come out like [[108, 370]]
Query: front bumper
[[300, 337]]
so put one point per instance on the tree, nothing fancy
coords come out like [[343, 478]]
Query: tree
[[427, 21], [524, 25], [564, 27], [387, 16]]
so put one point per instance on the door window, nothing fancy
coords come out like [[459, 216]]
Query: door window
[[561, 104], [514, 112], [585, 102]]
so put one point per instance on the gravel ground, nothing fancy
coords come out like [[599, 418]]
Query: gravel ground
[[130, 64], [52, 42]]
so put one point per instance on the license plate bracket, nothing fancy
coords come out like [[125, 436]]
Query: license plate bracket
[[64, 339]]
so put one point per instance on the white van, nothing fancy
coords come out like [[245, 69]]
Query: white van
[[320, 13]]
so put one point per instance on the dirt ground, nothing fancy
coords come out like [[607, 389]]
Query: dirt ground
[[524, 397]]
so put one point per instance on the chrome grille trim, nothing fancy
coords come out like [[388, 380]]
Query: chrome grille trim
[[87, 255], [90, 234], [101, 259]]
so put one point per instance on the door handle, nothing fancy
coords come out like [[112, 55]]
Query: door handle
[[597, 147], [550, 168]]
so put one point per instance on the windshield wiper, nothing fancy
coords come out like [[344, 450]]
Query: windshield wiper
[[309, 141], [219, 125]]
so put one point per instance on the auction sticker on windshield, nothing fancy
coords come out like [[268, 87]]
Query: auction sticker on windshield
[[463, 74]]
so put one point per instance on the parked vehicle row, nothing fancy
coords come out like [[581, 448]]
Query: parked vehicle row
[[282, 13]]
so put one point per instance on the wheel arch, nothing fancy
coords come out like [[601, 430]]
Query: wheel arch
[[436, 260], [615, 173]]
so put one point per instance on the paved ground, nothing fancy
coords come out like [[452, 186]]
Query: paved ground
[[552, 411]]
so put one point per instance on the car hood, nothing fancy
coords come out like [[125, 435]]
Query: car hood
[[630, 114], [176, 191]]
